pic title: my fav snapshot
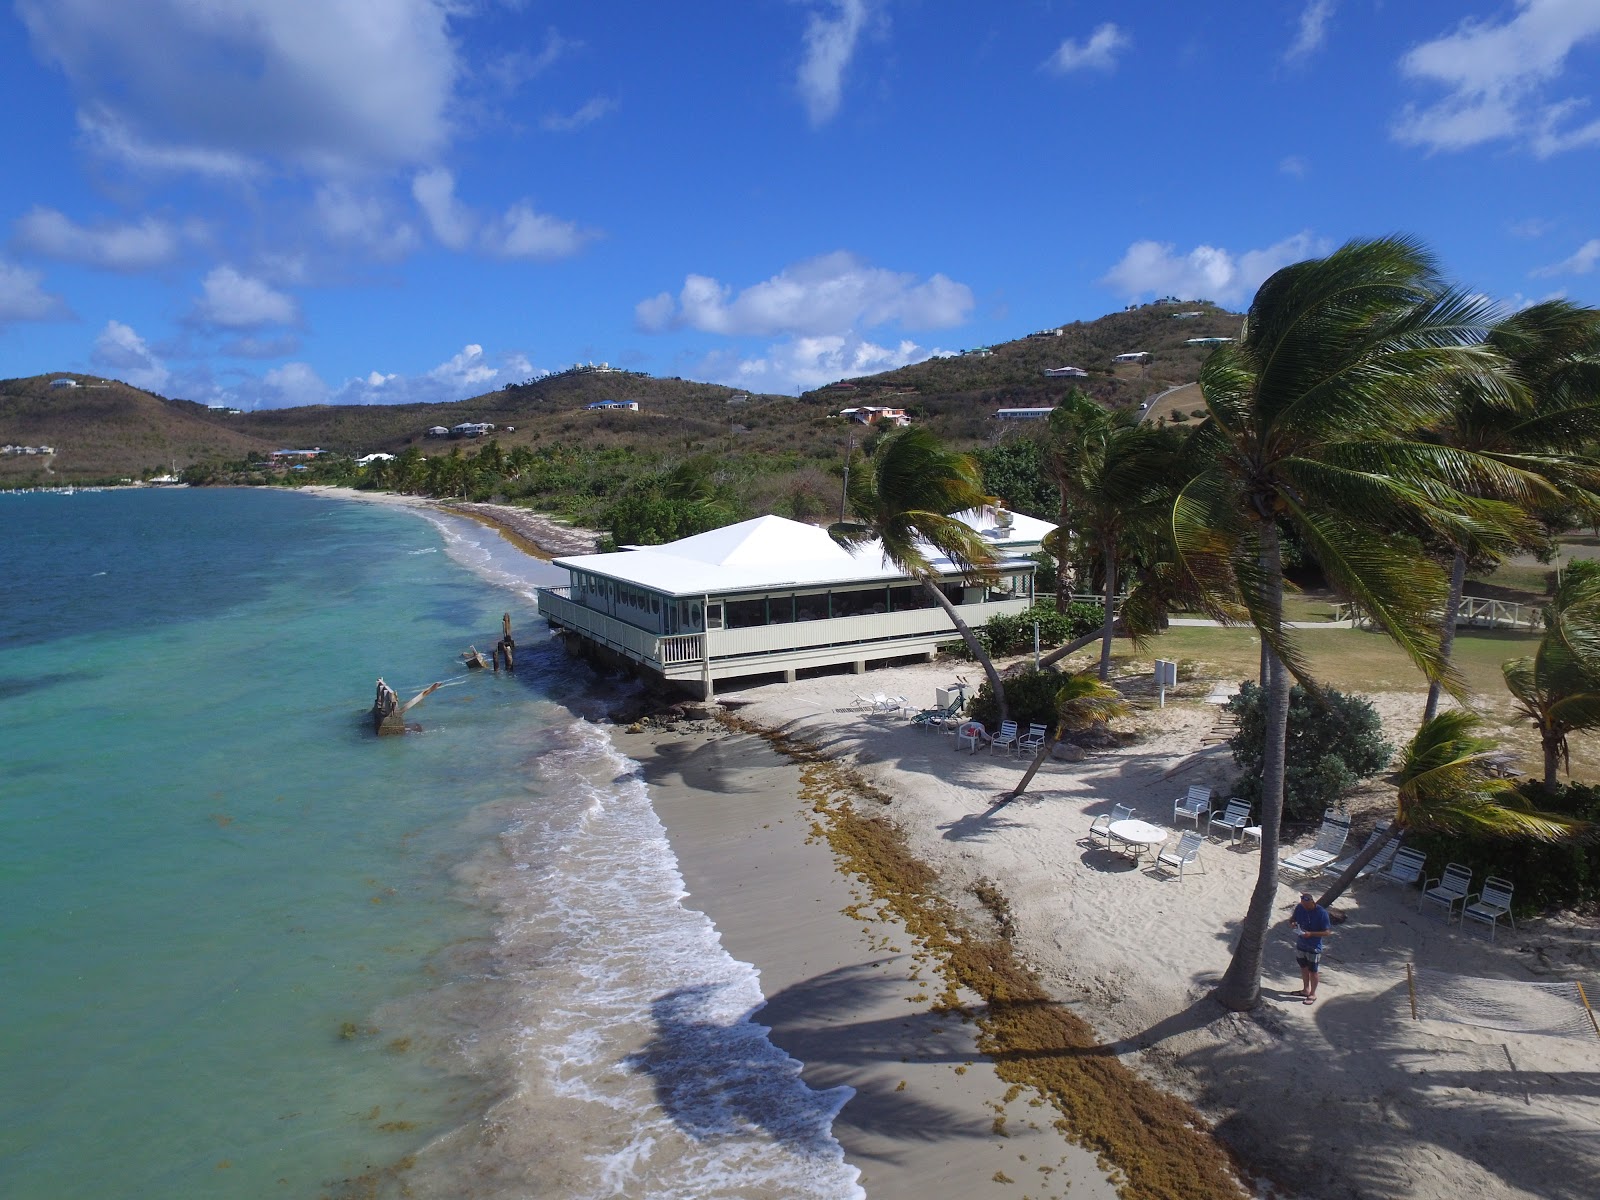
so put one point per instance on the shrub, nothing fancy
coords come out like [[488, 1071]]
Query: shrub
[[1014, 634], [1031, 696], [1332, 744]]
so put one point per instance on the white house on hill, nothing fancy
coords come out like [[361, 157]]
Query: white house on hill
[[774, 596]]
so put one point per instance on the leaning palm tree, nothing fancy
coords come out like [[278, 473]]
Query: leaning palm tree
[[905, 502], [1449, 779], [1337, 359], [1558, 689], [1554, 347], [1081, 700], [1115, 475]]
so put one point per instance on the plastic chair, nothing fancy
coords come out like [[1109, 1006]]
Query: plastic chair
[[1234, 818], [1492, 903], [1377, 862], [1035, 737], [1450, 889], [1193, 806], [1330, 840], [1006, 739], [1102, 824], [1185, 854], [1405, 868]]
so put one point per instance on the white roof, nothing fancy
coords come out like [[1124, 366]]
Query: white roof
[[766, 552]]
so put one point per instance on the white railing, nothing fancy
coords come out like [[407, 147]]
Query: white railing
[[680, 648], [1474, 610]]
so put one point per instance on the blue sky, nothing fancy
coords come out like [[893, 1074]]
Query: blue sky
[[271, 202]]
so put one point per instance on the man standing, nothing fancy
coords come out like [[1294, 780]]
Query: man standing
[[1311, 923]]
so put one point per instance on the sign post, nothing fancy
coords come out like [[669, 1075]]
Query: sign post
[[1166, 676]]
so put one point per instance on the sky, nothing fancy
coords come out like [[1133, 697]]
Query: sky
[[264, 203]]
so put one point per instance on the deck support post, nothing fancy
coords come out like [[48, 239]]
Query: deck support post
[[859, 667]]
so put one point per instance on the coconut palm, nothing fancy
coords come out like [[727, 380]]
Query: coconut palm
[[1116, 477], [1081, 700], [1338, 357], [1555, 348], [1448, 778], [905, 502], [1558, 689]]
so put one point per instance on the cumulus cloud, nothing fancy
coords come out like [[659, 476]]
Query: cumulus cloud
[[292, 385], [1294, 166], [122, 353], [1098, 53], [1498, 78], [1206, 272], [802, 363], [1313, 29], [1579, 263], [591, 112], [829, 295], [520, 232], [181, 85], [463, 375], [363, 222], [129, 247], [23, 298], [831, 39], [237, 301]]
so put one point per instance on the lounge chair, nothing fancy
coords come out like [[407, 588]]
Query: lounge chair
[[1450, 889], [1192, 806], [1330, 840], [1377, 862], [1491, 904], [935, 718], [1405, 868], [1035, 737], [1185, 854], [1006, 739], [1101, 825], [1234, 818]]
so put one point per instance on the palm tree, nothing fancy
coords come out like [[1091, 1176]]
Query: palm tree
[[1081, 700], [1558, 689], [1337, 358], [1555, 348], [1115, 476], [1448, 778], [905, 502]]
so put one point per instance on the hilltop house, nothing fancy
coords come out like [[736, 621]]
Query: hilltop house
[[1065, 373], [874, 415], [471, 429], [1132, 356], [1207, 341], [625, 405], [772, 596], [1023, 414], [63, 382]]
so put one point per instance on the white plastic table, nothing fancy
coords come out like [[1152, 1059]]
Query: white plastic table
[[1137, 834]]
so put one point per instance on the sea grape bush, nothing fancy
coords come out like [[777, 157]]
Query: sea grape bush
[[1335, 741], [1031, 697], [1014, 634]]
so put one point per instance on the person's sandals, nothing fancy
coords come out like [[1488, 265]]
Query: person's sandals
[[1309, 1000]]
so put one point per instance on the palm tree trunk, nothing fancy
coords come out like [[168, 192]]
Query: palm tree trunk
[[1109, 627], [1060, 652], [1365, 855], [1038, 761], [974, 646], [1552, 762], [1447, 630], [1240, 989]]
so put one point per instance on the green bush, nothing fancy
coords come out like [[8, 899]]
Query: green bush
[[1031, 697], [1332, 744], [1014, 634]]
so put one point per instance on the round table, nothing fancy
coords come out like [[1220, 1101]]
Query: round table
[[1137, 834]]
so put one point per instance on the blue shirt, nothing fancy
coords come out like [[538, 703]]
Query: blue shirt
[[1311, 922]]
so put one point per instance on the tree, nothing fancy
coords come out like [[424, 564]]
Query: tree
[[1115, 476], [1081, 701], [1338, 358], [1554, 347], [1334, 741], [1448, 779], [1558, 689], [905, 502]]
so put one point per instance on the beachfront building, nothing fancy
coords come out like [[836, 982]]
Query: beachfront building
[[772, 596]]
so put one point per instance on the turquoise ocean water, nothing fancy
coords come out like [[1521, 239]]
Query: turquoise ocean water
[[249, 949]]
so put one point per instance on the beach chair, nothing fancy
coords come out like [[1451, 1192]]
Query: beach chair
[[1101, 825], [1491, 904], [1185, 854], [1192, 806], [1036, 736], [1450, 889], [1405, 868], [1330, 840], [1233, 819], [1377, 862], [1006, 739], [936, 717]]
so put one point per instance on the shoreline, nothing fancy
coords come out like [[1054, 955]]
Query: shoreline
[[537, 535]]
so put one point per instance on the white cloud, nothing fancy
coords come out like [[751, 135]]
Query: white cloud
[[1206, 272], [237, 301], [514, 68], [251, 346], [196, 85], [1533, 227], [1580, 263], [520, 232], [469, 373], [1294, 165], [800, 364], [1313, 30], [134, 247], [830, 44], [22, 298], [832, 294], [591, 112], [292, 385], [1099, 53], [121, 352], [1496, 77], [365, 222]]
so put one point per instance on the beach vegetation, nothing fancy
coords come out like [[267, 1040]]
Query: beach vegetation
[[1031, 695], [1340, 358], [1333, 742], [1012, 633], [1082, 701], [1557, 689]]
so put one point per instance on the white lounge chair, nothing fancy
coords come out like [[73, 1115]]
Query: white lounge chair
[[1330, 840], [1234, 818], [1101, 825], [1377, 862], [1185, 854], [1036, 736], [1450, 889], [1193, 806], [1006, 739], [1405, 868], [1491, 904]]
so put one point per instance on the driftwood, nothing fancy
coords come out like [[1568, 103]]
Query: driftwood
[[388, 714], [474, 658]]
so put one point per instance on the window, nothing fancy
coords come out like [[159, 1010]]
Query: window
[[745, 614]]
